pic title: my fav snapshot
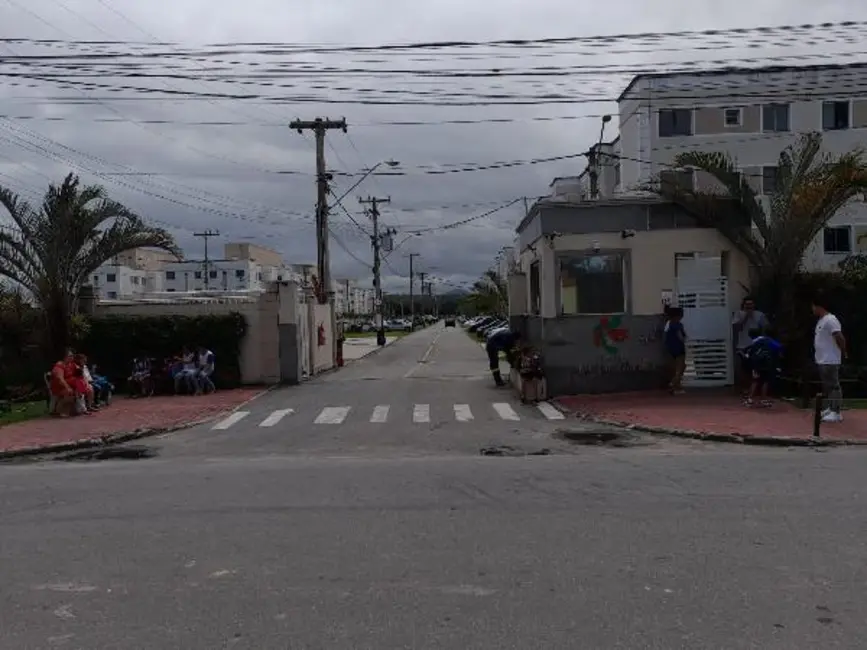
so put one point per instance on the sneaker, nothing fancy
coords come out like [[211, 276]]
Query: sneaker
[[748, 402]]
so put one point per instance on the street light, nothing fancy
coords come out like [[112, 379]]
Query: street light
[[391, 163]]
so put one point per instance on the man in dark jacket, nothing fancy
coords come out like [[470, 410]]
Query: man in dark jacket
[[501, 341]]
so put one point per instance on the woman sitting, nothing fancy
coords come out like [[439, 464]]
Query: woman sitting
[[79, 378], [62, 393], [102, 387]]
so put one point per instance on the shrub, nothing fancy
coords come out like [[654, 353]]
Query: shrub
[[114, 341]]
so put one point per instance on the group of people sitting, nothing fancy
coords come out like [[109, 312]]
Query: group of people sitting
[[190, 372], [76, 388]]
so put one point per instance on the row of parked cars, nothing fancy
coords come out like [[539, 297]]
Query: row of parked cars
[[484, 326], [391, 325]]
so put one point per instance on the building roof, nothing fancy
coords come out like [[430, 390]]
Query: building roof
[[718, 72], [643, 198]]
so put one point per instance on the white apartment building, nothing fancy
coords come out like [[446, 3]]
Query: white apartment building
[[120, 282], [215, 275], [752, 114], [349, 298]]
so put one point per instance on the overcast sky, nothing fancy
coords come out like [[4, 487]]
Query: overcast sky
[[194, 176]]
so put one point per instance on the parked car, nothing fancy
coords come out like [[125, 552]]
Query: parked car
[[481, 323], [450, 322]]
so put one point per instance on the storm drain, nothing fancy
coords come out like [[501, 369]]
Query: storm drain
[[513, 452], [109, 453], [618, 439]]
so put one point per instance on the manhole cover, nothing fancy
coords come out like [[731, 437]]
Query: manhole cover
[[109, 453], [602, 438]]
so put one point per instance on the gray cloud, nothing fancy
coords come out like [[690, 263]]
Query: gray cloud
[[219, 176]]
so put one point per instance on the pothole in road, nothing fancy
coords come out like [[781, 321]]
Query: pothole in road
[[617, 439], [137, 452]]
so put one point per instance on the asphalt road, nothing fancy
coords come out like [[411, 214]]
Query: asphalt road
[[265, 537]]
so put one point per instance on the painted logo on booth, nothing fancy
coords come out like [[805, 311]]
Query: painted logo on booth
[[608, 333]]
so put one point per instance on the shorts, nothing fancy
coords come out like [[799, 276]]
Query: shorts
[[763, 375]]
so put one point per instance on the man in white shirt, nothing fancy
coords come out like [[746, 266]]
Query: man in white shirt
[[830, 346]]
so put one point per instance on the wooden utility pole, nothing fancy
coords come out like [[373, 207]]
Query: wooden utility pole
[[412, 256], [320, 127], [376, 240], [206, 235]]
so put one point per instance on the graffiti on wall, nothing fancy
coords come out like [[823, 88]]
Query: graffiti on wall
[[609, 332], [605, 366]]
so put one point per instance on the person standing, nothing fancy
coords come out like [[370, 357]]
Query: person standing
[[675, 345], [830, 350], [747, 319]]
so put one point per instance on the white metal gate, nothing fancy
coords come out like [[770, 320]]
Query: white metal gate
[[707, 320]]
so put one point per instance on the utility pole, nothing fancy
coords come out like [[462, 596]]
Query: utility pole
[[320, 127], [412, 256], [206, 235], [376, 240], [421, 277]]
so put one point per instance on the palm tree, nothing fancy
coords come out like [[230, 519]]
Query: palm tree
[[810, 188], [54, 248]]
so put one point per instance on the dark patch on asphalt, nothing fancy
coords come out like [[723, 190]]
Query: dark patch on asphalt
[[617, 439], [136, 452], [512, 452]]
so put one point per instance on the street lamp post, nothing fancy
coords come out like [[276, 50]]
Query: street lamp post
[[593, 160]]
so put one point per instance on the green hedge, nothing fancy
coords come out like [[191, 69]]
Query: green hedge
[[113, 342]]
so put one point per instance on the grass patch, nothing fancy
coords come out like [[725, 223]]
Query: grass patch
[[23, 411]]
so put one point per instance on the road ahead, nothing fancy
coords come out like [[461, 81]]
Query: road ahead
[[355, 536]]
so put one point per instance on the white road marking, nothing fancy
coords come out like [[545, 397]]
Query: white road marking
[[332, 415], [380, 413], [236, 417], [275, 417], [505, 411], [463, 413], [421, 413], [550, 411]]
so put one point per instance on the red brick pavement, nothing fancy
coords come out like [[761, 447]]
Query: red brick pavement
[[123, 416], [708, 413]]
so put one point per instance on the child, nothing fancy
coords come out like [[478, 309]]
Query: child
[[675, 345], [763, 356]]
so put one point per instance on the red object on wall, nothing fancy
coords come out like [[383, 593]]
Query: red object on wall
[[321, 334]]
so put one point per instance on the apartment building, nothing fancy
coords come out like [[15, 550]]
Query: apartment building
[[349, 298], [244, 251], [144, 259], [120, 282], [752, 114], [214, 275]]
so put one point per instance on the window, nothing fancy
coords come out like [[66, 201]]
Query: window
[[592, 284], [279, 277], [169, 289], [197, 275], [775, 117], [239, 273], [212, 275], [674, 122], [96, 279], [769, 179], [732, 117], [617, 174], [679, 178], [535, 293], [112, 295], [111, 277], [835, 116], [135, 279], [838, 239], [170, 275]]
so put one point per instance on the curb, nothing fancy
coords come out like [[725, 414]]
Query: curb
[[119, 438], [767, 441]]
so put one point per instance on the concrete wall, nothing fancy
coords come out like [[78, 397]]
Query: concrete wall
[[588, 354], [322, 354], [265, 357]]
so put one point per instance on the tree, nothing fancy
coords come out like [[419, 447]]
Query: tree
[[489, 295], [54, 248], [811, 186]]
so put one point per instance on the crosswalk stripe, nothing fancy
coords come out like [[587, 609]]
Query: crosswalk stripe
[[275, 417], [463, 413], [332, 415], [549, 411], [421, 413], [236, 417], [505, 411], [380, 413]]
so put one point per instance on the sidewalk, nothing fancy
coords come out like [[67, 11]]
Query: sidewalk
[[715, 416], [355, 348], [125, 419]]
